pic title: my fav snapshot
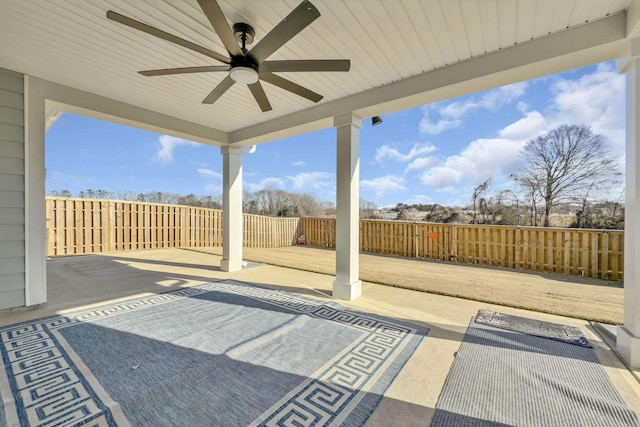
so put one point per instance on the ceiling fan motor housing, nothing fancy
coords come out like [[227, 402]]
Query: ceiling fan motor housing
[[244, 69]]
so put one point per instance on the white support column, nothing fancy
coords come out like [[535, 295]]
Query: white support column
[[347, 285], [231, 209], [35, 217], [628, 335]]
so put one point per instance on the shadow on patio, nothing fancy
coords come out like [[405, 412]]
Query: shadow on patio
[[410, 400]]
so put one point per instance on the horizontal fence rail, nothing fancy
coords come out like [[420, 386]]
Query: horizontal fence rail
[[83, 226], [591, 253]]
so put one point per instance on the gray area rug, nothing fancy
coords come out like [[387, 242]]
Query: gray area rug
[[506, 378], [554, 331], [221, 354]]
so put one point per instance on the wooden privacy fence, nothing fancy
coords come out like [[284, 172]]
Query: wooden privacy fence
[[82, 226], [269, 232], [592, 253]]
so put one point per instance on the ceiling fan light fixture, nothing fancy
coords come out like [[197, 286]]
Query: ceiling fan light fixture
[[242, 74]]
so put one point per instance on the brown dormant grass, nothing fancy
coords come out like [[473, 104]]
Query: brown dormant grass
[[583, 298]]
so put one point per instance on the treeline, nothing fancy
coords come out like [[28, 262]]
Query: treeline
[[420, 207], [276, 202], [269, 202], [508, 208], [501, 209], [150, 197]]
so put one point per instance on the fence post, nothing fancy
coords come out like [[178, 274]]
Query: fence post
[[594, 255], [453, 244], [604, 264], [112, 226], [50, 226]]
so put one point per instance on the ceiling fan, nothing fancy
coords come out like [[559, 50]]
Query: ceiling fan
[[244, 65]]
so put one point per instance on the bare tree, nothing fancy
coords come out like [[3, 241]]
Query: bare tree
[[478, 197], [565, 162], [529, 186], [410, 214], [275, 202], [61, 193], [516, 202], [607, 214], [368, 209]]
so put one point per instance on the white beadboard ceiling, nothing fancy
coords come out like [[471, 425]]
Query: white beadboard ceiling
[[70, 42]]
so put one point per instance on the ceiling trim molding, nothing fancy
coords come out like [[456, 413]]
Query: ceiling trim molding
[[65, 98], [633, 19], [587, 44]]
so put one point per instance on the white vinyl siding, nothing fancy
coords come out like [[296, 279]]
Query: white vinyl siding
[[12, 190]]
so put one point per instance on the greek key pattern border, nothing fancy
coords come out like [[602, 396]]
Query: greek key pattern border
[[49, 390]]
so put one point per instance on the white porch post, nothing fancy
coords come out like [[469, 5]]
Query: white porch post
[[347, 285], [231, 209], [35, 217], [628, 335]]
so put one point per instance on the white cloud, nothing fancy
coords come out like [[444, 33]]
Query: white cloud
[[420, 163], [385, 185], [265, 183], [450, 114], [307, 181], [530, 126], [210, 174], [169, 143], [444, 177], [481, 159], [457, 109], [215, 180], [299, 163], [522, 107], [427, 127], [387, 152], [597, 100], [496, 98]]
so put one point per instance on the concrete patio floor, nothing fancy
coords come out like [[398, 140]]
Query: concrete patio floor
[[81, 281]]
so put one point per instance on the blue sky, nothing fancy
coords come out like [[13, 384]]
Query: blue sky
[[436, 153]]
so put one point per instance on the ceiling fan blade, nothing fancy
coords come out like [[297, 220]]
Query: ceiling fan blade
[[186, 70], [285, 84], [296, 21], [212, 10], [261, 98], [308, 65], [219, 90], [129, 22]]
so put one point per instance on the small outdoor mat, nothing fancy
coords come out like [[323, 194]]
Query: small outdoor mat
[[221, 354], [505, 378], [539, 328]]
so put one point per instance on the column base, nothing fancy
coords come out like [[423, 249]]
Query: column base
[[230, 265], [347, 291], [628, 346]]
